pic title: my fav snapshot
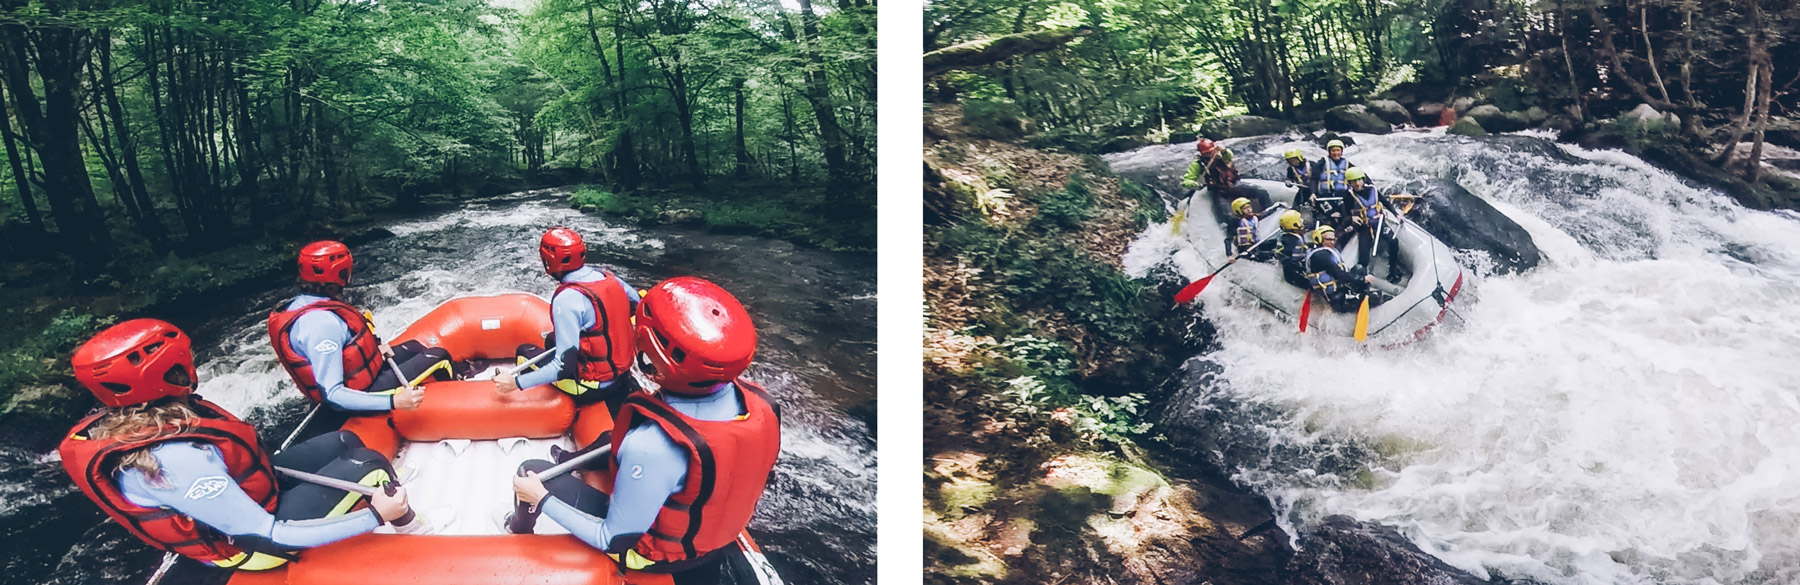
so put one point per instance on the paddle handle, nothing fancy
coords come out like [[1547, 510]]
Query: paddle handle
[[565, 466], [330, 482]]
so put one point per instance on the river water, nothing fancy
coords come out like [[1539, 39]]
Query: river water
[[1624, 413], [815, 317]]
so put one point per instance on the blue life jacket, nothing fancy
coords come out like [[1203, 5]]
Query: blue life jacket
[[1332, 180], [1370, 205], [1246, 234], [1322, 280]]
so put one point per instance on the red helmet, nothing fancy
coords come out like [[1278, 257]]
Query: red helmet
[[325, 262], [562, 251], [136, 362], [692, 335], [1207, 146]]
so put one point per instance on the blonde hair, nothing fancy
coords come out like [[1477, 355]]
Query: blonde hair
[[144, 423]]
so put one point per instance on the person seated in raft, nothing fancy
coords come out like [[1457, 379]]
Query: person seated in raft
[[1330, 186], [1364, 205], [1243, 235], [1216, 168], [1341, 286], [703, 436], [1290, 248], [1300, 177], [330, 349], [185, 476], [594, 342]]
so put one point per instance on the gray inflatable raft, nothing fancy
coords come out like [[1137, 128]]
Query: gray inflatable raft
[[1420, 299]]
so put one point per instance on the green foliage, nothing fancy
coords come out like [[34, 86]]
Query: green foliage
[[1068, 208], [999, 119], [36, 356], [773, 211], [1149, 205], [1048, 270], [1037, 380]]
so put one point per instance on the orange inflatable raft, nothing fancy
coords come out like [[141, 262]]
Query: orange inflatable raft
[[462, 446]]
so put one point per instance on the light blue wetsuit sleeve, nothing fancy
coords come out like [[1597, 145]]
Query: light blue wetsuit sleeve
[[320, 336], [629, 292], [197, 483], [571, 313], [651, 468]]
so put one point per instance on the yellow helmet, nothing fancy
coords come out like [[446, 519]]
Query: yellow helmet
[[1290, 220], [1334, 144], [1240, 206], [1355, 174], [1293, 154], [1318, 235]]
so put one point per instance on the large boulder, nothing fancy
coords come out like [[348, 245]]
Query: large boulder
[[1389, 111], [1494, 120], [1343, 551], [1355, 118], [1466, 222], [1466, 127], [1428, 113], [1463, 104], [1645, 120], [1241, 126], [1536, 115]]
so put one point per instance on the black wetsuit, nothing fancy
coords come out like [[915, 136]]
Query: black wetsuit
[[1358, 206], [1290, 249], [1342, 287]]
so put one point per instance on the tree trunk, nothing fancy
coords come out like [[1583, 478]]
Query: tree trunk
[[1650, 50], [53, 128], [975, 53], [20, 179], [743, 148], [837, 167], [1753, 172]]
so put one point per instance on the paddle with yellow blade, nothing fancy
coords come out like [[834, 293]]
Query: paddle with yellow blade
[[1181, 213], [1362, 314]]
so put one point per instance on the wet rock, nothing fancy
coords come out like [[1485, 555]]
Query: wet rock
[[1241, 126], [1466, 222], [1559, 123], [1389, 111], [1342, 551], [1429, 112], [1644, 120], [1467, 127], [1494, 120], [1355, 118], [682, 216], [1463, 104], [1536, 115]]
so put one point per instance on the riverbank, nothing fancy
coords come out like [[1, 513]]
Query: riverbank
[[1042, 361], [798, 214]]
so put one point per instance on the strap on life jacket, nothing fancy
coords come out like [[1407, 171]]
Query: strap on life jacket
[[606, 349], [1322, 280]]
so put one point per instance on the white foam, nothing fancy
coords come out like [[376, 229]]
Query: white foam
[[1624, 413]]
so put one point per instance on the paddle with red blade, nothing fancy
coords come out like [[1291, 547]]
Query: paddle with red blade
[[1193, 288], [1305, 310]]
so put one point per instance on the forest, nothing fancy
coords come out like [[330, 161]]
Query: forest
[[161, 153], [136, 128], [1152, 69]]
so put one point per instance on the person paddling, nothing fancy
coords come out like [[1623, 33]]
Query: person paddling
[[1341, 286], [690, 460], [591, 310], [1216, 169], [1290, 248], [1300, 177], [329, 347], [1364, 205], [1244, 236], [185, 476], [1331, 186]]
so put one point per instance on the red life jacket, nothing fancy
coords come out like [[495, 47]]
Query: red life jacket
[[607, 348], [362, 356], [91, 462], [728, 465]]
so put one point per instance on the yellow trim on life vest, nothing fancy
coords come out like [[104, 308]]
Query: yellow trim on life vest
[[632, 561], [251, 562]]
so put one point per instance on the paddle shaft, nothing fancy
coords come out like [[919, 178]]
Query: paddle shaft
[[350, 486], [531, 362], [524, 515]]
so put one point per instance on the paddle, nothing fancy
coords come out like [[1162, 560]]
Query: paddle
[[1181, 213], [1305, 310], [349, 486], [1193, 289], [531, 362], [524, 516], [1362, 314]]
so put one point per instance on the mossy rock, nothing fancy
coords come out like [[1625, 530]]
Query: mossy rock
[[1467, 127]]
